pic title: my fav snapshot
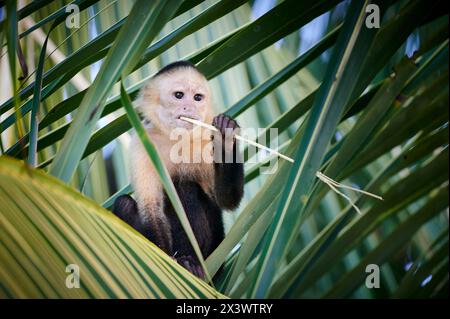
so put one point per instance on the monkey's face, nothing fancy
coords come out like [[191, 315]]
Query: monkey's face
[[184, 92]]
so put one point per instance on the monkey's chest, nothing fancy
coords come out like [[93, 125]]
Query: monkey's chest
[[205, 218]]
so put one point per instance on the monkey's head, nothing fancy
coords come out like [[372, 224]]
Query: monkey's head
[[178, 89]]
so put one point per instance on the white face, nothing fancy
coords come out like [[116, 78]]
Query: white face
[[184, 92]]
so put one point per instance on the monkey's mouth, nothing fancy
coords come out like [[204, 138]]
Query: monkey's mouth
[[184, 123], [188, 116]]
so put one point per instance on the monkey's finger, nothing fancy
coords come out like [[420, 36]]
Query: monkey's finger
[[220, 122], [225, 125], [233, 124], [196, 270], [201, 273], [185, 263], [216, 121], [234, 127]]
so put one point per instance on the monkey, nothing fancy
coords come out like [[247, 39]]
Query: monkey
[[205, 188]]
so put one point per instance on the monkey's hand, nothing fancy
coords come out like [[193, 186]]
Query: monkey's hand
[[227, 129], [228, 164], [191, 264]]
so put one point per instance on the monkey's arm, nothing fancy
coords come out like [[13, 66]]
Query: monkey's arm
[[229, 171]]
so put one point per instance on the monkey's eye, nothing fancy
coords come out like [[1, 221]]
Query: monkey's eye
[[179, 95], [198, 97]]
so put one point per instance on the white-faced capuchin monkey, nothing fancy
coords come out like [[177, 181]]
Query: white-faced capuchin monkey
[[204, 188]]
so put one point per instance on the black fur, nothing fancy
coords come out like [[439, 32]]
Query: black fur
[[125, 207], [175, 66], [203, 211], [228, 169]]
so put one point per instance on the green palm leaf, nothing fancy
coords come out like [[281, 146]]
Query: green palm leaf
[[53, 226]]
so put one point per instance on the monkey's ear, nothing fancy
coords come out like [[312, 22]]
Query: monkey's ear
[[138, 104], [146, 99], [142, 110]]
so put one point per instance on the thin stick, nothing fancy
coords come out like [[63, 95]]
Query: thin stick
[[340, 193], [238, 137], [334, 185], [323, 176]]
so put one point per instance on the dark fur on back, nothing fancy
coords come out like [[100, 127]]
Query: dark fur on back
[[204, 215]]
